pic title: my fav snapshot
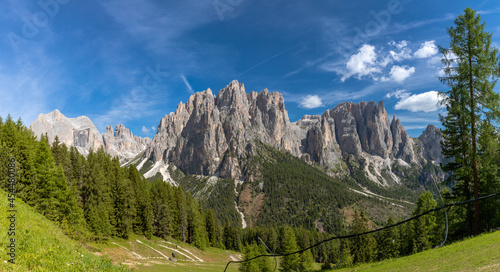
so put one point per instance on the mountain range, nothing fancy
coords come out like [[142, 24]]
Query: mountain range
[[220, 136]]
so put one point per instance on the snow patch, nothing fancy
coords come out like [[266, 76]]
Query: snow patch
[[162, 168], [140, 165]]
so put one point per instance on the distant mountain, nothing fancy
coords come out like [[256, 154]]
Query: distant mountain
[[81, 133]]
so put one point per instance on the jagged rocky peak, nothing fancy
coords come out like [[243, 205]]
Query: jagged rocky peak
[[210, 135], [122, 143], [364, 127], [81, 133], [429, 144]]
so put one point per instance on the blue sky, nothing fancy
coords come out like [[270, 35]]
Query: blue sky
[[132, 62]]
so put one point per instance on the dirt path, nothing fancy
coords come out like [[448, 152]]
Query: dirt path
[[137, 255], [177, 252], [153, 249]]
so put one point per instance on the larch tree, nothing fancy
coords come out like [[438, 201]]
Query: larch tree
[[472, 65]]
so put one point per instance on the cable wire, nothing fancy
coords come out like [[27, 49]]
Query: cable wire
[[371, 231], [275, 261], [445, 213]]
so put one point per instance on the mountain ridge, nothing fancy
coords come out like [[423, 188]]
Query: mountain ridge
[[217, 143], [81, 133]]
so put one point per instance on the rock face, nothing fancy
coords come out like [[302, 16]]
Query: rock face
[[78, 132], [214, 135], [211, 135], [362, 130], [429, 144], [123, 143], [81, 133]]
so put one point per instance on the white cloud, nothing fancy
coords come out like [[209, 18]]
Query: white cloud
[[362, 63], [145, 129], [399, 73], [311, 102], [399, 94], [427, 49], [188, 86], [405, 53], [426, 102]]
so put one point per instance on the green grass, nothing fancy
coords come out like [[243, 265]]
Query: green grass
[[475, 254], [40, 245]]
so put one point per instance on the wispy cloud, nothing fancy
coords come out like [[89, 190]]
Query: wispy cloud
[[134, 105], [186, 82]]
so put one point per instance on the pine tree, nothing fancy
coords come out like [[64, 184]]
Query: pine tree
[[211, 227], [362, 247], [288, 245], [489, 176], [122, 200], [263, 264], [181, 215], [143, 223], [387, 242], [425, 225], [471, 75], [160, 195]]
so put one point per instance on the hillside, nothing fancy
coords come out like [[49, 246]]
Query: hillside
[[41, 246], [287, 190], [475, 254]]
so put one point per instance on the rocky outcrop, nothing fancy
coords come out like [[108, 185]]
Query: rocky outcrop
[[81, 133], [429, 144], [122, 143], [211, 135], [316, 138], [362, 130], [402, 142], [363, 127]]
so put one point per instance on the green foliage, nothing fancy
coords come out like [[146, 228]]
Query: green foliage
[[362, 247], [261, 264], [288, 245], [425, 225], [387, 242], [297, 193], [42, 246]]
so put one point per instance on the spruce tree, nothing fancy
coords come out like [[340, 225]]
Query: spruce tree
[[211, 227], [289, 245], [362, 247], [387, 242], [425, 225], [489, 176], [263, 264]]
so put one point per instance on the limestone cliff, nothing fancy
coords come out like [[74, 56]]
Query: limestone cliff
[[81, 133]]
